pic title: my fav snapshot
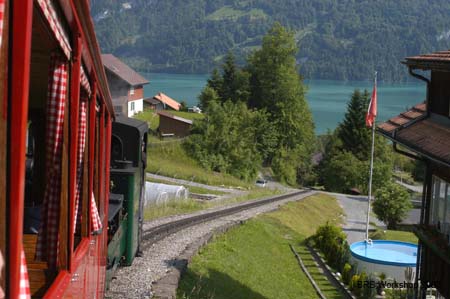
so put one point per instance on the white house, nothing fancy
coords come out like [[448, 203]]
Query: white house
[[126, 86]]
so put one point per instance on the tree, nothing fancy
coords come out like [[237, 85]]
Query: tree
[[183, 106], [275, 85], [225, 140], [215, 81], [346, 160], [230, 84], [356, 137], [207, 96], [343, 172], [392, 204], [234, 81]]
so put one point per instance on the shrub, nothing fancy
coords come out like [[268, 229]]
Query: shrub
[[354, 283], [392, 204], [331, 241], [347, 273]]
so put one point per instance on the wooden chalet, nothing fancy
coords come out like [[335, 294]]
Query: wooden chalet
[[424, 131], [172, 125], [126, 86]]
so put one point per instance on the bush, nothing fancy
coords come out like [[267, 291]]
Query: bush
[[347, 273], [354, 283], [331, 241], [392, 204]]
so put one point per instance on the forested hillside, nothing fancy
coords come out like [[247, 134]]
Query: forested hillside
[[345, 39]]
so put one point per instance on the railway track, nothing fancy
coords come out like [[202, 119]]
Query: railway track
[[157, 233]]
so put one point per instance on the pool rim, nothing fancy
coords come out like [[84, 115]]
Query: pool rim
[[380, 262]]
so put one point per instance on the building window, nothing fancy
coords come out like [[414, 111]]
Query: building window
[[132, 90], [440, 208], [132, 106]]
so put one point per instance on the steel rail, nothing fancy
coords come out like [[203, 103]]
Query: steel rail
[[157, 233]]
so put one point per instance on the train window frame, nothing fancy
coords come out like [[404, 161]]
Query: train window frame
[[3, 141]]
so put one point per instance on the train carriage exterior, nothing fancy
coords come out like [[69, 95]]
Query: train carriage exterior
[[55, 134]]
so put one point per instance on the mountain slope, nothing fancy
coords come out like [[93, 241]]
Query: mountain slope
[[345, 39]]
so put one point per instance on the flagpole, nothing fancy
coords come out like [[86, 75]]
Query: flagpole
[[370, 175]]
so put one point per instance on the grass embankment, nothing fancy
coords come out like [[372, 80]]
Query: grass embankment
[[177, 207], [170, 159], [254, 260], [150, 117], [395, 235]]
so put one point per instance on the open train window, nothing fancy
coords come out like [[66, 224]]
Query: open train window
[[45, 53]]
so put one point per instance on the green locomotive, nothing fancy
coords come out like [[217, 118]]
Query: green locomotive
[[127, 175]]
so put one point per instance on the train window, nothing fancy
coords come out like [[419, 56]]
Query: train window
[[97, 156], [3, 143], [46, 174], [81, 212]]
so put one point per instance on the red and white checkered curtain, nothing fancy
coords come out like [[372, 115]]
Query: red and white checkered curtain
[[48, 237], [24, 285], [2, 13], [49, 11], [85, 82], [96, 222], [82, 124]]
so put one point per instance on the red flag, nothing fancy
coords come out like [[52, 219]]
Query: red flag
[[372, 111]]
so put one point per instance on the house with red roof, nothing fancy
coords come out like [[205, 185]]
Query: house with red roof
[[162, 101], [126, 86]]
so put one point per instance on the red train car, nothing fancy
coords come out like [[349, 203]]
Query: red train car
[[55, 135]]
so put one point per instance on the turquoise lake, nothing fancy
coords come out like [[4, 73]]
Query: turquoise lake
[[327, 98]]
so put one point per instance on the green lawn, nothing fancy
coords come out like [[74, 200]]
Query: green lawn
[[254, 260], [188, 115], [150, 117], [395, 235], [177, 207], [170, 159]]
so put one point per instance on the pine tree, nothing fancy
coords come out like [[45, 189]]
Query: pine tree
[[215, 81], [355, 136], [229, 78], [234, 81], [345, 163], [207, 96], [275, 85]]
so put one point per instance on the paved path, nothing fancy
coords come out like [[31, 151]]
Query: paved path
[[413, 188], [355, 208]]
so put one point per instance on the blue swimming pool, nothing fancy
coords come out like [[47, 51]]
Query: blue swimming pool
[[393, 253], [393, 258]]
